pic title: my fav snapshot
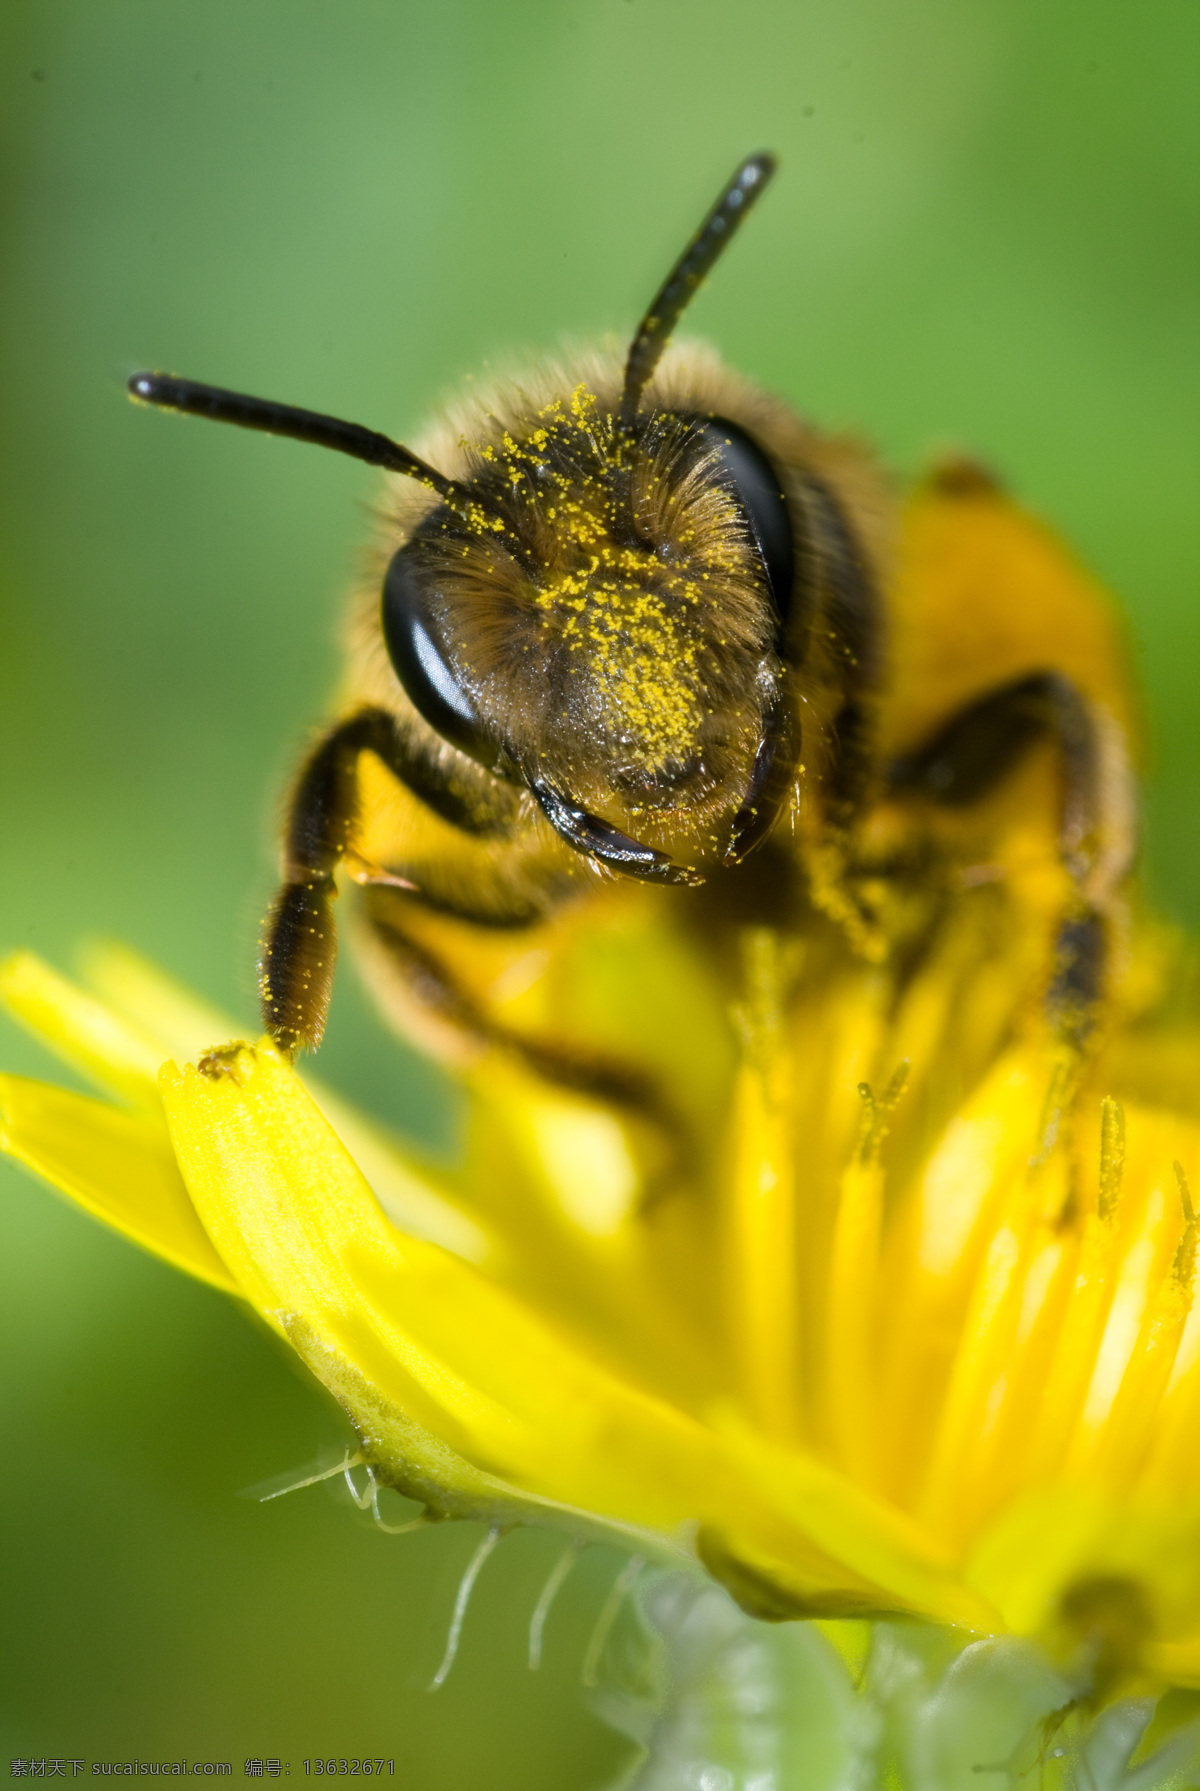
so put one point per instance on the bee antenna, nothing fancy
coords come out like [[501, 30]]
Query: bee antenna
[[677, 290], [187, 395]]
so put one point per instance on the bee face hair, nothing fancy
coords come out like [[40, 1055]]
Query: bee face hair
[[598, 614]]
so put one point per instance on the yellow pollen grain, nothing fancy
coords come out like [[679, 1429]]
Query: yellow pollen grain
[[641, 657], [627, 615]]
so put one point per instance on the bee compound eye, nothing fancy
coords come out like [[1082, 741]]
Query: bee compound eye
[[742, 467], [422, 664]]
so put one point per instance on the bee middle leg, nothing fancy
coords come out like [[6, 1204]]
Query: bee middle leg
[[445, 1005], [300, 940], [978, 747]]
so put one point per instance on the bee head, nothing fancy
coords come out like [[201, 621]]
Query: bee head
[[596, 612], [594, 608]]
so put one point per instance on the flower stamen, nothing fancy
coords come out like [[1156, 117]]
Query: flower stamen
[[1112, 1155], [851, 1375], [1073, 1358], [762, 1241]]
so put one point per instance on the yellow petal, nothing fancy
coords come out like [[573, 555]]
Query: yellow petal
[[411, 1197], [887, 1549], [629, 1292], [164, 1010], [296, 1220], [1175, 1663], [88, 1035], [118, 1166], [405, 1455], [464, 1361], [184, 1027], [762, 1250], [1053, 1540], [298, 1223]]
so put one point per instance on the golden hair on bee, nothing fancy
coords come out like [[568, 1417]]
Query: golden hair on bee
[[624, 640]]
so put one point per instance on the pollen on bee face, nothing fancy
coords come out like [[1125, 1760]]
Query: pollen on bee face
[[630, 563], [640, 658]]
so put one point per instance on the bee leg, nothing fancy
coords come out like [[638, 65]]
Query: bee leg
[[773, 772], [433, 987], [300, 940], [980, 745]]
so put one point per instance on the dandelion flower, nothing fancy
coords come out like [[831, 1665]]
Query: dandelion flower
[[932, 1352]]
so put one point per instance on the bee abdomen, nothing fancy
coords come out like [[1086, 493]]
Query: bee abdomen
[[295, 968]]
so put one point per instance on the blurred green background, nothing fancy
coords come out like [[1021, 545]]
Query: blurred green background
[[983, 234]]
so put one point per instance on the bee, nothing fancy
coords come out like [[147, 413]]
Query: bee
[[641, 640]]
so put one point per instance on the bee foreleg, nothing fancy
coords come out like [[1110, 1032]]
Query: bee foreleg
[[300, 939], [434, 988]]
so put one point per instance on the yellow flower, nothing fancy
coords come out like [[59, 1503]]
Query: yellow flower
[[926, 1346]]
